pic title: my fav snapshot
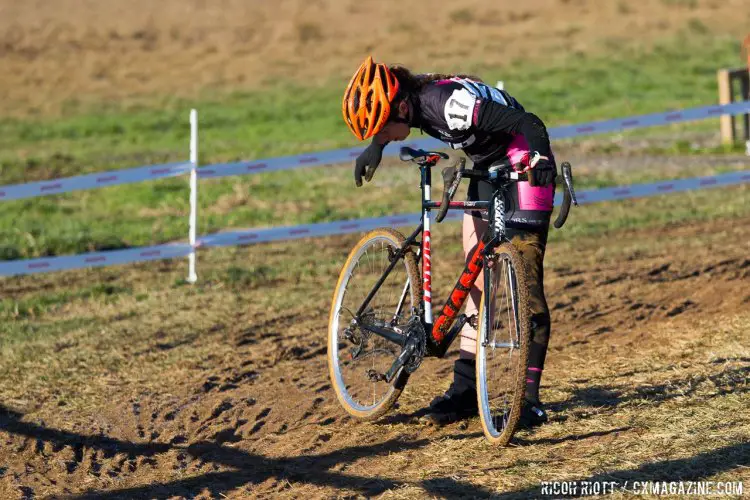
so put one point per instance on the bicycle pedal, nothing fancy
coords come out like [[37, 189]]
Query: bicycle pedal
[[375, 376]]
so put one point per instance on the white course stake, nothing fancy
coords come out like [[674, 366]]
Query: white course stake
[[192, 276]]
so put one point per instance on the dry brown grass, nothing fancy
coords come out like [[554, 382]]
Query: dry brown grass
[[222, 389], [53, 51]]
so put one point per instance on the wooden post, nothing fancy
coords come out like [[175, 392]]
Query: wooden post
[[725, 97], [745, 96], [746, 93]]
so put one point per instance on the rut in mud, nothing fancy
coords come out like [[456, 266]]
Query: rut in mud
[[648, 364]]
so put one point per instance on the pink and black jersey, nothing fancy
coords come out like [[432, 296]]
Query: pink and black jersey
[[479, 119]]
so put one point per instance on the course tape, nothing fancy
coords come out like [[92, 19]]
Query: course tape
[[251, 236], [564, 132], [94, 259], [113, 178], [93, 181], [650, 120]]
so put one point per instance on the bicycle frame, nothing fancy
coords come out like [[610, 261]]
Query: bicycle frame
[[439, 339]]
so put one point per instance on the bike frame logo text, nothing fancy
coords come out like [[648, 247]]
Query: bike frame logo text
[[427, 268]]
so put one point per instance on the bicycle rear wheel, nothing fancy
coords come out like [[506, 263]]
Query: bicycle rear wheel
[[355, 355], [503, 340]]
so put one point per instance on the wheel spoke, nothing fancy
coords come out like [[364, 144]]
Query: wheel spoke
[[502, 350], [359, 380]]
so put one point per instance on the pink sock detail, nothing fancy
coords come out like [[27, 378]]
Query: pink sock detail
[[529, 381], [534, 369]]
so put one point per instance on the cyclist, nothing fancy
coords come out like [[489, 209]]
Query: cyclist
[[383, 103]]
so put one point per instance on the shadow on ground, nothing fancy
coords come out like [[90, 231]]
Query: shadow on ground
[[249, 468], [695, 468], [732, 380]]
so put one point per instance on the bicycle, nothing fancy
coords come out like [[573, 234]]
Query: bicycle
[[386, 307]]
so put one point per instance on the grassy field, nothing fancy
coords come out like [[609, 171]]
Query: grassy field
[[291, 119], [126, 382], [145, 387], [59, 56]]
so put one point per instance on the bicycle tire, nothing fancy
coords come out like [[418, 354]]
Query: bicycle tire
[[344, 394], [519, 352]]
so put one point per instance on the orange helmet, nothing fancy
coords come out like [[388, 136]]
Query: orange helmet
[[367, 100]]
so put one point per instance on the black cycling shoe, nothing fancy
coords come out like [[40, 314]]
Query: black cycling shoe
[[451, 407], [460, 401], [532, 415]]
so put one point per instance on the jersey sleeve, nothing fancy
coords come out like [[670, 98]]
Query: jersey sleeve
[[493, 117]]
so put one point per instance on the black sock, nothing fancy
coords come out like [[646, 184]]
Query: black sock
[[533, 378], [464, 376]]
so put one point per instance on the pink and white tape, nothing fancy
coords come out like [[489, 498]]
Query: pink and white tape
[[93, 181], [650, 120], [112, 178], [94, 259], [564, 132], [252, 236], [263, 235]]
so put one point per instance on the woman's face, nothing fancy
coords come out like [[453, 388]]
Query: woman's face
[[393, 130]]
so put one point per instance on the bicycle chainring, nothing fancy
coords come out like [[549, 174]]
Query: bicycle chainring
[[415, 330]]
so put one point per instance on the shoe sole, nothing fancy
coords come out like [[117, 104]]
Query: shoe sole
[[441, 419]]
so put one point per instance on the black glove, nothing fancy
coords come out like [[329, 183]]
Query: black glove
[[367, 162], [543, 173]]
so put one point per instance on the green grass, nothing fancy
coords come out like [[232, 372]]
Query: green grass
[[21, 335], [721, 205], [48, 302], [624, 80]]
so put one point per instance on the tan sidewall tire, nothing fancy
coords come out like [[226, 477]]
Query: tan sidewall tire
[[416, 294], [522, 282]]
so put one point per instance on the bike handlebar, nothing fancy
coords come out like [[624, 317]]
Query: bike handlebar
[[500, 171]]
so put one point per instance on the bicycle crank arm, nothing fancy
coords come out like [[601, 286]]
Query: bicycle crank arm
[[402, 359]]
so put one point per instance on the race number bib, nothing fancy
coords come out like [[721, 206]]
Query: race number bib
[[459, 109]]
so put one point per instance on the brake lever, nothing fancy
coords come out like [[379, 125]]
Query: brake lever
[[567, 172], [457, 178], [569, 194], [451, 180]]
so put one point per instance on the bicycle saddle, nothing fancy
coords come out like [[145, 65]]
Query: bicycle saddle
[[417, 155]]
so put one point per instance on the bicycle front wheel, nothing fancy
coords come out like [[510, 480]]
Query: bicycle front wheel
[[503, 340], [357, 358]]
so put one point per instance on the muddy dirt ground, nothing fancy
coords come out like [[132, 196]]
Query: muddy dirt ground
[[647, 379]]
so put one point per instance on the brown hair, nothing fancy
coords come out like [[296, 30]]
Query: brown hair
[[409, 83]]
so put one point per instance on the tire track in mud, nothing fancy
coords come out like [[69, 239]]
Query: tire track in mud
[[279, 402]]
